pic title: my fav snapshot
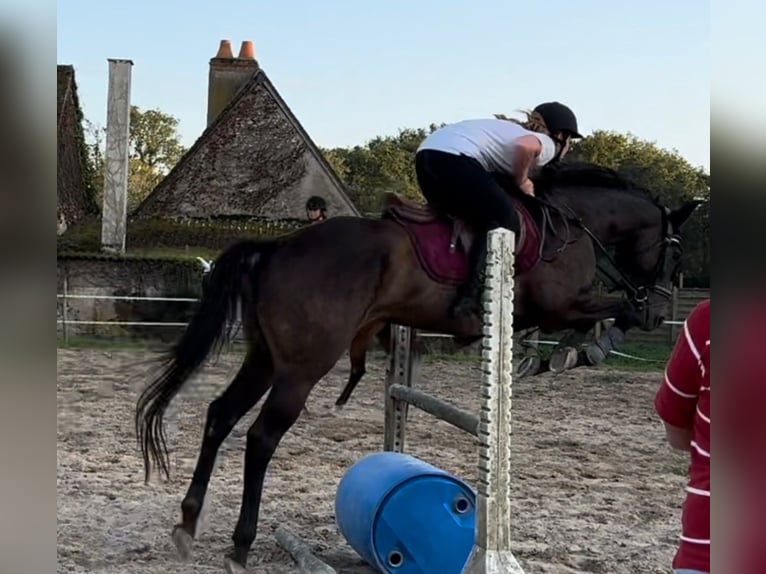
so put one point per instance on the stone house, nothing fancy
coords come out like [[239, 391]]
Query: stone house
[[253, 161], [249, 173]]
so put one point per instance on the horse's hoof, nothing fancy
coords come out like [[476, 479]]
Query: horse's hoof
[[233, 567], [562, 359], [528, 366], [183, 542], [595, 354]]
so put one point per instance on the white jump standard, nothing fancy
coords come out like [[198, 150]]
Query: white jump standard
[[492, 549]]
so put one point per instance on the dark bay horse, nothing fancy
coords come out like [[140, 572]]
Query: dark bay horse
[[556, 306], [304, 297]]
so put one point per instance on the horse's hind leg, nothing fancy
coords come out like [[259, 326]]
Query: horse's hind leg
[[250, 384], [280, 411], [358, 355]]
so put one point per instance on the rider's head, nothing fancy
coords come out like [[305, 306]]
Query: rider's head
[[560, 123], [552, 119], [316, 208]]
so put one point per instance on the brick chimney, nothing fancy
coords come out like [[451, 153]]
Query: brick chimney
[[227, 75]]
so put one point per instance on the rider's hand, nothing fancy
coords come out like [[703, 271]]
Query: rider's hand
[[527, 187]]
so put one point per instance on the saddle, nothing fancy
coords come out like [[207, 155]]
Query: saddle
[[442, 242]]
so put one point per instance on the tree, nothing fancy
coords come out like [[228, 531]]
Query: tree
[[661, 171], [94, 156], [154, 148], [383, 164]]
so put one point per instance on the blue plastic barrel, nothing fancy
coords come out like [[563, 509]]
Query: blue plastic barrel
[[405, 516]]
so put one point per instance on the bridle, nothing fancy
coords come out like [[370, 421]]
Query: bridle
[[638, 294]]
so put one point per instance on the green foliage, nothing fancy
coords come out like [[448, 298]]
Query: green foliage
[[90, 176], [153, 234], [172, 239], [94, 161], [155, 148], [384, 164], [655, 358], [185, 263], [665, 174], [154, 139]]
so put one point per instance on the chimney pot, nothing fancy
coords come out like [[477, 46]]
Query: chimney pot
[[247, 51], [224, 50], [227, 75]]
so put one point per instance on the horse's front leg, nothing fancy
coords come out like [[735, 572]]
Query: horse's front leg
[[566, 353], [612, 338], [530, 362], [582, 318]]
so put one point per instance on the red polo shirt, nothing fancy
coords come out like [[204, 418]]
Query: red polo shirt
[[683, 401], [741, 431]]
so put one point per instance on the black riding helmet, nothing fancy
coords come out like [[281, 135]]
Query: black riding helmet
[[558, 117], [315, 202]]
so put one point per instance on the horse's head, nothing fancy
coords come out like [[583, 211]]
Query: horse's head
[[645, 235], [650, 264]]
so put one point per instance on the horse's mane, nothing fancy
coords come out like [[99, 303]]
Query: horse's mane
[[583, 174]]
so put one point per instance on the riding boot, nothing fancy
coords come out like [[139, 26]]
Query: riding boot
[[469, 299]]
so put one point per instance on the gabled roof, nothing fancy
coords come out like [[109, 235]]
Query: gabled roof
[[65, 88], [74, 189], [254, 160]]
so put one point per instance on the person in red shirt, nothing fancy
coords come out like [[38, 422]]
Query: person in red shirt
[[741, 433], [683, 404]]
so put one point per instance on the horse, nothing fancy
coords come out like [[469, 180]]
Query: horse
[[565, 355], [309, 295]]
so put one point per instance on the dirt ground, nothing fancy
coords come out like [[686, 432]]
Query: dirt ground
[[595, 487]]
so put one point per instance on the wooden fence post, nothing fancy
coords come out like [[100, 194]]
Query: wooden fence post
[[599, 324], [674, 316], [64, 314]]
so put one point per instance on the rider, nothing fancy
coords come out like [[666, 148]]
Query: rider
[[316, 208], [456, 167]]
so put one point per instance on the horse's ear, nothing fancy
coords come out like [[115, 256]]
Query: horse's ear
[[679, 216]]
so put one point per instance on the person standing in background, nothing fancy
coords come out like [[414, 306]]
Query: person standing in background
[[316, 209], [683, 404], [740, 467]]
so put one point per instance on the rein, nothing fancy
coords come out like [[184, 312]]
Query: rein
[[638, 294]]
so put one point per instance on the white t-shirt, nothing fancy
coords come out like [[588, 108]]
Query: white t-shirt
[[489, 141]]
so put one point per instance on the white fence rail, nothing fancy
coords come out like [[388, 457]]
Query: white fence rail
[[65, 321]]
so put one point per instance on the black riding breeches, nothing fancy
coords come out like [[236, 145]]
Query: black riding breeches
[[459, 186]]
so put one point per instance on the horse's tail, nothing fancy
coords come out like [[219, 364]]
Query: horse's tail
[[207, 329]]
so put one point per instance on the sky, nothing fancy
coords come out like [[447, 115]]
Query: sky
[[351, 70]]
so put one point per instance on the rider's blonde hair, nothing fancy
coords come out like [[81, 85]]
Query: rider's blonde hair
[[534, 122]]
